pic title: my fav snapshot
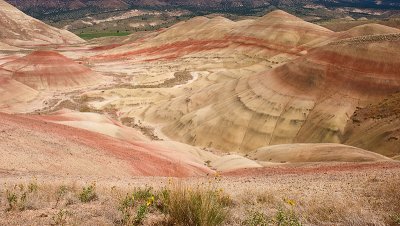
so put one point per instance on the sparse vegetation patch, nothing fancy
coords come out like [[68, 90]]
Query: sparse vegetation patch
[[88, 194]]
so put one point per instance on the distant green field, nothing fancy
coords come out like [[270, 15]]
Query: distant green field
[[102, 34]]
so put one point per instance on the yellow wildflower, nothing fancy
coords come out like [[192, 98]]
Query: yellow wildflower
[[150, 201], [290, 202]]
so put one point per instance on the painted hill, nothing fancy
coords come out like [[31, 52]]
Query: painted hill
[[281, 30], [307, 100], [48, 70], [276, 33], [18, 29], [232, 86]]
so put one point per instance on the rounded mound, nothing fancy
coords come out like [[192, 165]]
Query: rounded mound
[[283, 30], [369, 29], [315, 153], [48, 70]]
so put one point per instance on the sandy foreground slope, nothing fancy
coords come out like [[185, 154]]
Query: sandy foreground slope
[[29, 145], [336, 194]]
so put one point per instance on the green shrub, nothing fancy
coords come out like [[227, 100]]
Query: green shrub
[[88, 194], [141, 214], [143, 193], [18, 196], [135, 207], [126, 207]]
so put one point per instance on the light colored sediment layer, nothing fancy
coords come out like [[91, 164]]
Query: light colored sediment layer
[[4, 46], [233, 162]]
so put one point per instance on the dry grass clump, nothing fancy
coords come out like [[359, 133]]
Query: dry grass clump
[[334, 210], [264, 197], [201, 205]]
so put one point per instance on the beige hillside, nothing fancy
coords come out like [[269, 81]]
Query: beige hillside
[[19, 29]]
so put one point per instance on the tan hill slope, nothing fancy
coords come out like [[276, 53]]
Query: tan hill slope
[[19, 29], [376, 126], [292, 153], [12, 91]]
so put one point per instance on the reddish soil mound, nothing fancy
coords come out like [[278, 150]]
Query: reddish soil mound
[[50, 70]]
